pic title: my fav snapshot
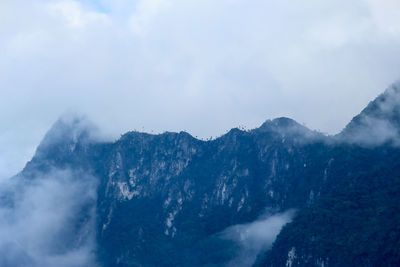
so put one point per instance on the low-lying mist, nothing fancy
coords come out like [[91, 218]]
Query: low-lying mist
[[255, 237], [48, 221]]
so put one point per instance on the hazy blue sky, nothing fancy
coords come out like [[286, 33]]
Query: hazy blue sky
[[203, 66]]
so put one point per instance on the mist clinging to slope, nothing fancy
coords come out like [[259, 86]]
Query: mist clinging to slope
[[48, 221], [255, 237]]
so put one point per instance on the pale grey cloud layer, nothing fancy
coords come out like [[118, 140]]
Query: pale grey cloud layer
[[40, 212], [201, 66]]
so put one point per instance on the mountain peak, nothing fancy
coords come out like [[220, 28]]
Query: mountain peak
[[286, 122], [287, 127], [68, 130], [378, 123], [281, 123]]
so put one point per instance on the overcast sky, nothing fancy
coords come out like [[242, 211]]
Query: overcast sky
[[202, 66]]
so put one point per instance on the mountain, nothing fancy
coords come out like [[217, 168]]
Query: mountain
[[378, 123], [355, 223], [173, 200], [163, 198]]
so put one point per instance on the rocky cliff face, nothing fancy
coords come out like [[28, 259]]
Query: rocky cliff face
[[163, 200], [355, 222]]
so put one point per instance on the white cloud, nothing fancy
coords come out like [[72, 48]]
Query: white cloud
[[256, 237], [74, 16], [204, 66], [40, 212], [385, 14], [146, 10]]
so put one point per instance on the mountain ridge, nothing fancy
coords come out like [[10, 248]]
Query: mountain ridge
[[187, 191]]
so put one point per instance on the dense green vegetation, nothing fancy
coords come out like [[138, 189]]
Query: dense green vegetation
[[163, 200], [357, 224]]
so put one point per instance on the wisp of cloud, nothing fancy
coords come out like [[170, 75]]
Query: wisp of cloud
[[255, 237], [48, 221]]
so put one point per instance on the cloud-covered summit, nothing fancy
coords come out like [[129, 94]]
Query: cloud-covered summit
[[379, 122]]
